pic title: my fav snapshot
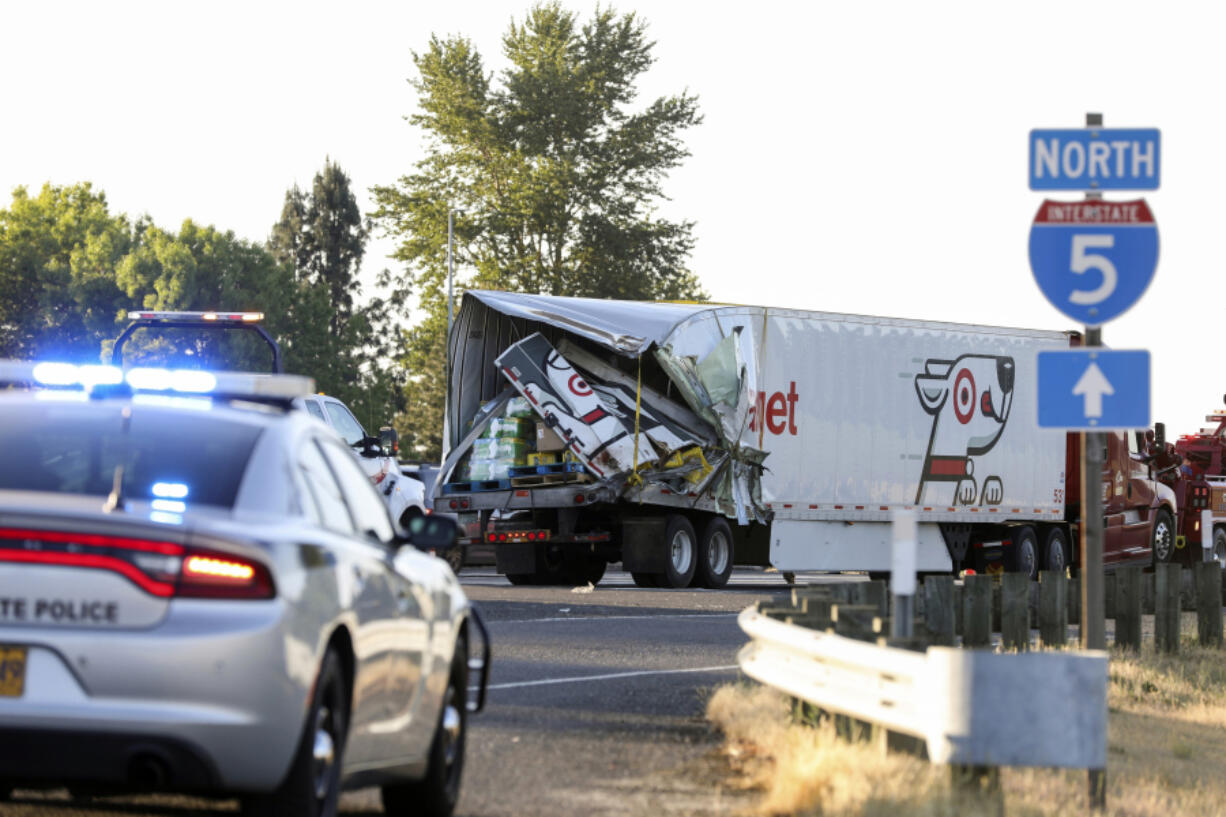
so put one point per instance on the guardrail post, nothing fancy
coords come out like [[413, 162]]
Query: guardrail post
[[1053, 608], [939, 609], [1208, 577], [902, 575], [1129, 592], [1098, 789], [982, 782], [1015, 611], [977, 611], [873, 592], [1167, 579]]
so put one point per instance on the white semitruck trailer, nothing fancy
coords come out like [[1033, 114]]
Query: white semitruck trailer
[[814, 429]]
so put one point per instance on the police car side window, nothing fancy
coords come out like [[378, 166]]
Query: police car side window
[[315, 410], [345, 423], [369, 513], [329, 501]]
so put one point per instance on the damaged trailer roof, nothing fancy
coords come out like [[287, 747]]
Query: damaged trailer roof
[[625, 327]]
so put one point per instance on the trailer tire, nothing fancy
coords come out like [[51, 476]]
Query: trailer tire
[[588, 571], [1055, 550], [680, 552], [714, 554], [645, 579], [1162, 537], [521, 579], [1024, 553]]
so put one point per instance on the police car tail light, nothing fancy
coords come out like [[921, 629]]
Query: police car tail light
[[162, 569], [151, 565], [215, 575]]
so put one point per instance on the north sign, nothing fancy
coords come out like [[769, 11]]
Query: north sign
[[1093, 389], [1093, 259], [1095, 159]]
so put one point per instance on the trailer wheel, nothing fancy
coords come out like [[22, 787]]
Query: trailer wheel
[[645, 579], [1055, 550], [1162, 538], [521, 579], [1024, 556], [681, 552], [714, 554], [588, 570]]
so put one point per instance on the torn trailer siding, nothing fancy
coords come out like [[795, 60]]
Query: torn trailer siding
[[687, 441]]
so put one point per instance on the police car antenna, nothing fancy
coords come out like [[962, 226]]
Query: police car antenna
[[115, 500]]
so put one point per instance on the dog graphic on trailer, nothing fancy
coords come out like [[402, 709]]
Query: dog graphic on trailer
[[969, 400]]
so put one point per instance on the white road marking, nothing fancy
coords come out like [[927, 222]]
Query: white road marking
[[607, 677], [613, 618]]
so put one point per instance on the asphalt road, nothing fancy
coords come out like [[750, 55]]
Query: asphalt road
[[595, 705]]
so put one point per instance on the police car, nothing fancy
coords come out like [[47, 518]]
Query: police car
[[405, 497], [203, 592]]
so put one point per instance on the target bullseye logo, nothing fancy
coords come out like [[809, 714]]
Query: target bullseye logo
[[579, 386], [964, 396]]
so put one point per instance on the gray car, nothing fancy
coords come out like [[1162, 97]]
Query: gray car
[[205, 593]]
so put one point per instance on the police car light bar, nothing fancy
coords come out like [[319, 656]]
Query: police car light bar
[[231, 317], [167, 381]]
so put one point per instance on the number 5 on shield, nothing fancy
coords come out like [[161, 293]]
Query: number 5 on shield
[[1082, 261]]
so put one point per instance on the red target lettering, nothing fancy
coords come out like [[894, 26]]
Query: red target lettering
[[964, 396], [580, 387]]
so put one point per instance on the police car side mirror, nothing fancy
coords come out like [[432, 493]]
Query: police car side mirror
[[429, 532], [370, 447]]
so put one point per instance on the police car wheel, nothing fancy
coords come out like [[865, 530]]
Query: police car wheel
[[435, 795], [312, 786]]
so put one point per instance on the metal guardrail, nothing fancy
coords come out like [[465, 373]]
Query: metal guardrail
[[969, 707]]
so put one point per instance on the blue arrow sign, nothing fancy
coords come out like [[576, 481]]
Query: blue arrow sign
[[1094, 259], [1095, 159], [1093, 389]]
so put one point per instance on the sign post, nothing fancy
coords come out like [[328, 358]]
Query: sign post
[[1093, 260]]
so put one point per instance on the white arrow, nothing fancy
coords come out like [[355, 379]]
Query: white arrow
[[1093, 384]]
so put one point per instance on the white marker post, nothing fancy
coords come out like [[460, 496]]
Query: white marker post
[[902, 575]]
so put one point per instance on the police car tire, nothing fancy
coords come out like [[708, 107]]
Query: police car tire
[[295, 797], [435, 795]]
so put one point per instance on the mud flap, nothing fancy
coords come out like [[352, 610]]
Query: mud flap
[[517, 557], [643, 548]]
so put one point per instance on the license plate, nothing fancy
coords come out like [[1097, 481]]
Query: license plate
[[12, 671]]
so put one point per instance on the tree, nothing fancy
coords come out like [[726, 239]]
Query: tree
[[321, 238], [558, 177], [58, 252]]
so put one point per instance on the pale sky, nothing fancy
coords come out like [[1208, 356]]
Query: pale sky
[[856, 157]]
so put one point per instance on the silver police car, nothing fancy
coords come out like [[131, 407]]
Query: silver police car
[[200, 591]]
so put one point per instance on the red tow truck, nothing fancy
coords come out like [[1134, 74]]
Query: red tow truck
[[1194, 467]]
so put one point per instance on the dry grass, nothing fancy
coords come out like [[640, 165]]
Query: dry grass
[[1166, 753]]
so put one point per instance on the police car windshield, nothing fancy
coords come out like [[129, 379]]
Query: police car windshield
[[177, 457]]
